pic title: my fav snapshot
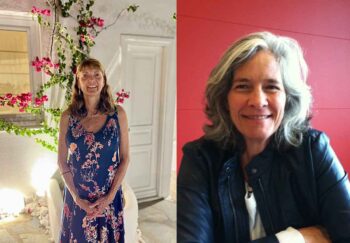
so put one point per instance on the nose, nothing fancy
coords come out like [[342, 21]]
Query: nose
[[89, 78], [257, 98]]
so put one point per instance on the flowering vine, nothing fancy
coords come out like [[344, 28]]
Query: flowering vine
[[39, 13], [45, 65], [121, 96], [23, 102], [59, 67]]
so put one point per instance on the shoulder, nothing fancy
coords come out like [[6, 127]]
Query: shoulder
[[64, 121], [196, 150], [314, 134], [315, 144], [207, 148], [323, 156], [120, 110], [203, 155], [65, 116], [122, 118], [314, 152], [121, 114], [200, 144], [65, 113], [316, 140], [195, 147]]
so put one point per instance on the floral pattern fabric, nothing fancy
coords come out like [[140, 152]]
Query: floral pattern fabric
[[93, 159]]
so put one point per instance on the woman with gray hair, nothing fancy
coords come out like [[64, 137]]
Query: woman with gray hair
[[261, 173]]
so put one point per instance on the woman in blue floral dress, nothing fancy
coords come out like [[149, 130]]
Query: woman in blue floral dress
[[93, 156]]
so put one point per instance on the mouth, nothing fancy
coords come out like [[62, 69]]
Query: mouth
[[257, 117], [92, 87]]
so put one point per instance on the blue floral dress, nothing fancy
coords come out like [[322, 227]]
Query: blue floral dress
[[93, 159]]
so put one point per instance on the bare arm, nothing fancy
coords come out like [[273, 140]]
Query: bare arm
[[315, 234], [123, 153]]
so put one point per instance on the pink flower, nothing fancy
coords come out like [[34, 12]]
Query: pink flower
[[98, 21], [40, 101], [39, 11], [37, 101], [110, 169], [45, 64], [13, 101], [22, 101], [121, 96], [24, 97], [46, 12], [37, 64], [89, 138], [35, 10], [82, 38]]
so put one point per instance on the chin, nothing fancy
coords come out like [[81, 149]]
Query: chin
[[257, 136], [92, 93]]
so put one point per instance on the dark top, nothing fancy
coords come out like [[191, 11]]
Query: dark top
[[302, 186]]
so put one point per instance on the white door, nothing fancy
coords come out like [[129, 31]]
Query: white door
[[146, 73]]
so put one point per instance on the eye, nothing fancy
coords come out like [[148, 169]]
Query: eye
[[272, 87], [241, 87]]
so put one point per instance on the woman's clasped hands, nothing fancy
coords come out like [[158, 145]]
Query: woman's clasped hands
[[95, 209]]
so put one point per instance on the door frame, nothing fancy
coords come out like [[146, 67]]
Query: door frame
[[167, 108]]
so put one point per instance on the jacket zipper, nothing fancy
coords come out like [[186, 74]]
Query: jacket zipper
[[267, 208], [233, 209]]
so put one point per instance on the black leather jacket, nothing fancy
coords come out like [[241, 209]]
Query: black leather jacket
[[303, 186]]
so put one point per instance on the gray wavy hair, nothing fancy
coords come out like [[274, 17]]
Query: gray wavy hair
[[294, 72]]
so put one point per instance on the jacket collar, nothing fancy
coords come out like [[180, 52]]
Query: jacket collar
[[261, 162]]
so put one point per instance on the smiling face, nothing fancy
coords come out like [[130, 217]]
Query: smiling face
[[257, 98], [91, 81]]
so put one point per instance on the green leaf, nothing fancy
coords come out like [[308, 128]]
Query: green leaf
[[132, 8]]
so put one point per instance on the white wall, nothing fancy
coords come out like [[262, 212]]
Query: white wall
[[17, 158], [154, 17]]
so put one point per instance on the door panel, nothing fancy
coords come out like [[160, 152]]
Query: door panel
[[145, 64]]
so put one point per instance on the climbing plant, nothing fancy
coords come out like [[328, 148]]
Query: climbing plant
[[68, 47]]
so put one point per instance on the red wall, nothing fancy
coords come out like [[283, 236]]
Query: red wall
[[206, 28]]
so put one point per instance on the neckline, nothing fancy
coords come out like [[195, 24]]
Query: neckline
[[99, 130]]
